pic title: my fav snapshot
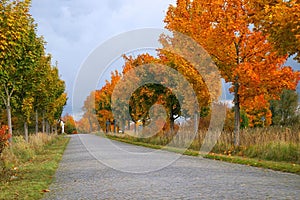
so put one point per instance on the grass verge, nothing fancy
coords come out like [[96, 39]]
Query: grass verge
[[31, 179], [278, 166]]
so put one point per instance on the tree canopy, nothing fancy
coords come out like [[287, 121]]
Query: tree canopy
[[248, 41], [28, 82]]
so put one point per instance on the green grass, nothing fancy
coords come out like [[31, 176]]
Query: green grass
[[278, 166], [278, 151], [32, 178]]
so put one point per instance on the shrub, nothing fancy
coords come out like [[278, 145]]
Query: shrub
[[4, 136]]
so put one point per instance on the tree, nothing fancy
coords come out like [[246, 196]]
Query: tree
[[16, 31], [89, 121], [201, 77], [146, 96], [284, 111], [143, 98], [83, 125], [103, 100], [70, 126], [56, 98], [139, 72], [40, 93], [45, 82], [243, 54], [33, 50], [28, 83]]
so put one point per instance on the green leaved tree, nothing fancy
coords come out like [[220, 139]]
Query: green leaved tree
[[17, 33], [284, 111]]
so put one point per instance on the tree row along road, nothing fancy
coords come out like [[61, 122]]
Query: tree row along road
[[97, 168]]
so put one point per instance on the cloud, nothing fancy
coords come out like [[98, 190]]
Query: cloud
[[73, 28]]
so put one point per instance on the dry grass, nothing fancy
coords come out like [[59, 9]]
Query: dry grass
[[21, 151], [271, 143], [39, 140]]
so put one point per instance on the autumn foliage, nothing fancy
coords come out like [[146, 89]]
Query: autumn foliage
[[242, 43], [70, 125], [88, 123], [103, 100], [279, 21], [4, 136], [244, 54]]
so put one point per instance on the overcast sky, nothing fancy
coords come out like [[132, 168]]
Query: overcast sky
[[73, 28]]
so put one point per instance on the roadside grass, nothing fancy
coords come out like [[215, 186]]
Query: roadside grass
[[28, 169], [227, 156], [266, 164]]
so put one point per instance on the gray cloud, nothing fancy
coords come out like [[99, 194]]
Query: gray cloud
[[73, 28]]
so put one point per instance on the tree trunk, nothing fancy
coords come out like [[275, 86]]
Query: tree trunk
[[26, 131], [36, 121], [114, 123], [171, 121], [98, 125], [55, 128], [134, 127], [43, 122], [236, 115], [47, 127], [123, 125], [8, 110], [172, 125], [196, 122], [91, 124], [6, 101]]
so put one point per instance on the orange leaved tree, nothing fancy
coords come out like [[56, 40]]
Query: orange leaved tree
[[242, 53], [70, 126], [103, 100], [89, 122]]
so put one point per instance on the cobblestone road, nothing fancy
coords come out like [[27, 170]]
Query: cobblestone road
[[84, 173]]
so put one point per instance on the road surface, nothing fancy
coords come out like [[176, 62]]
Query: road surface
[[97, 168]]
